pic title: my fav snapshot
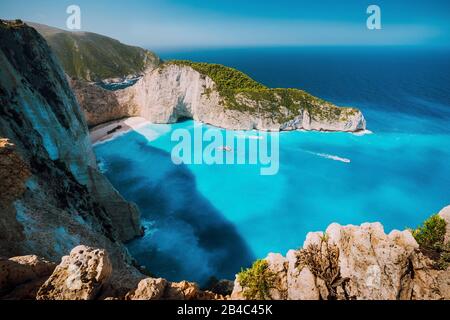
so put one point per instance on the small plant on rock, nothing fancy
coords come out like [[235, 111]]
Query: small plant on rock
[[430, 237], [257, 281]]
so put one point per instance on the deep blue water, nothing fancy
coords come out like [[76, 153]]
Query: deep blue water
[[207, 221]]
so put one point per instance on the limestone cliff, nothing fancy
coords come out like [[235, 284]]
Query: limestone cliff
[[100, 105], [344, 263], [178, 90], [53, 197], [352, 262]]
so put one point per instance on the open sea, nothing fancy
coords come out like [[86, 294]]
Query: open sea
[[212, 220]]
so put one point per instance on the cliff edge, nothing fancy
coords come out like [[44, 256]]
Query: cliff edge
[[216, 95], [53, 196]]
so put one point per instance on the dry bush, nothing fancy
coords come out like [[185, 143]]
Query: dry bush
[[323, 261]]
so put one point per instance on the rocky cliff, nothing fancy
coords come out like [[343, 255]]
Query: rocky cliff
[[216, 95], [100, 105], [350, 262], [167, 92], [343, 263], [52, 195]]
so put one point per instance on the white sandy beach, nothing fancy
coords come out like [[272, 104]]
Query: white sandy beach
[[103, 132]]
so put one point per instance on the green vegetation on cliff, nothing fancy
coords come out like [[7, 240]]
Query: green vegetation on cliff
[[430, 237], [242, 93], [257, 281], [93, 57]]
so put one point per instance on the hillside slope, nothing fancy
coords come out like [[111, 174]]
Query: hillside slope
[[93, 57]]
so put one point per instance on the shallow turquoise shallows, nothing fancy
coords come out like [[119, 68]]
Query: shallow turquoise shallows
[[211, 220]]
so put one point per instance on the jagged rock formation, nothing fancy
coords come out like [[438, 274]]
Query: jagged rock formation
[[160, 289], [80, 276], [20, 277], [345, 262], [178, 90], [56, 197], [13, 174], [355, 262], [100, 105], [85, 274]]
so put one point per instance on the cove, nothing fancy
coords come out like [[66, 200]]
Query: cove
[[207, 220], [204, 221]]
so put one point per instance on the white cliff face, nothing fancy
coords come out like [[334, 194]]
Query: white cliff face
[[356, 262], [172, 92]]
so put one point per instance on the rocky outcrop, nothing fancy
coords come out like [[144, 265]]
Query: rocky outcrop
[[343, 263], [20, 277], [13, 175], [124, 215], [80, 276], [355, 262], [86, 274], [100, 105], [54, 196], [445, 214], [173, 92], [148, 289]]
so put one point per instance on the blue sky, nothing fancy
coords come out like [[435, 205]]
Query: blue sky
[[224, 23]]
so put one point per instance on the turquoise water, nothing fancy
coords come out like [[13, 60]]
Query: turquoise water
[[204, 221]]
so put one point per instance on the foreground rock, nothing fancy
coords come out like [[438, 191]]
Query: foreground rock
[[355, 262], [20, 277], [160, 289], [86, 273], [80, 276]]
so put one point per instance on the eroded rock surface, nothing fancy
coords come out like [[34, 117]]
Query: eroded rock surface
[[80, 276], [53, 197], [20, 277], [160, 289], [356, 262]]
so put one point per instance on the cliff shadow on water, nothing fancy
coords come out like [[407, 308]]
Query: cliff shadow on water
[[186, 237]]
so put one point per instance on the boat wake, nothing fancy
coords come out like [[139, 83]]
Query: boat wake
[[330, 156], [250, 137]]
